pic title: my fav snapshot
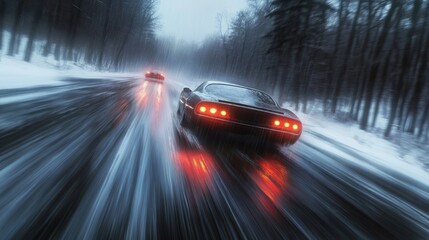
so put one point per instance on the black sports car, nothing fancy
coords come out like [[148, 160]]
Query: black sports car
[[237, 109]]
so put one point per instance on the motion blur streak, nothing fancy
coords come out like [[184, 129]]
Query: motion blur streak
[[198, 167], [107, 159], [141, 94], [271, 179]]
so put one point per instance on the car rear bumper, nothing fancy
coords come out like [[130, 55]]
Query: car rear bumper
[[244, 130], [154, 80]]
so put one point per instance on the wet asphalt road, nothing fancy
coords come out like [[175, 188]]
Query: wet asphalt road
[[99, 159]]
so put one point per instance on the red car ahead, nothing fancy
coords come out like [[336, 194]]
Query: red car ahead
[[154, 76]]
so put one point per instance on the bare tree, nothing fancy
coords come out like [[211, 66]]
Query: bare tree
[[34, 27], [2, 12], [15, 27], [371, 55]]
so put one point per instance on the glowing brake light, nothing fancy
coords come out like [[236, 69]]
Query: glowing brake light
[[212, 109], [286, 124]]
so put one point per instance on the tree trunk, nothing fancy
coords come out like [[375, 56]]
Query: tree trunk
[[14, 33], [416, 97], [332, 65], [384, 75], [34, 26], [375, 61], [406, 61], [307, 80], [424, 119], [124, 42], [344, 63], [418, 89], [104, 35], [48, 44], [2, 12], [359, 86], [247, 68], [73, 26], [297, 80], [385, 72]]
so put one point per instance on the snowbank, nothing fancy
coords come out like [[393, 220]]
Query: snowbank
[[42, 71], [402, 152], [18, 74]]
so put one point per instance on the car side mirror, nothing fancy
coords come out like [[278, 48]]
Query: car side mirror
[[187, 90]]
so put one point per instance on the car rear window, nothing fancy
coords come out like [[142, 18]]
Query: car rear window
[[239, 94]]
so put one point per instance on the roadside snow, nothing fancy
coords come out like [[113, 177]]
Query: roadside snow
[[19, 74], [44, 71], [402, 152], [16, 74]]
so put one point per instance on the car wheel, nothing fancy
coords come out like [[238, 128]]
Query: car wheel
[[178, 109], [184, 122]]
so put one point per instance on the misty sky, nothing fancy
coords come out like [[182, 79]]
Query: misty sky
[[193, 20]]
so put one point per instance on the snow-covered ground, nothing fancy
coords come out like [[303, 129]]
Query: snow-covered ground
[[19, 74], [15, 73], [43, 71], [401, 151]]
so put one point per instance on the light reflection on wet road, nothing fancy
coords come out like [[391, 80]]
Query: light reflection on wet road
[[107, 159]]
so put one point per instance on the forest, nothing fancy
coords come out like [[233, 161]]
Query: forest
[[109, 34], [357, 59], [360, 60]]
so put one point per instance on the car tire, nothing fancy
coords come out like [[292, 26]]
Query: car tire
[[184, 122], [178, 109]]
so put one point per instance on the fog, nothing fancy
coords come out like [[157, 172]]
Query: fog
[[194, 20]]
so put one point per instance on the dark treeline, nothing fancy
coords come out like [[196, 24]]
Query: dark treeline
[[357, 58], [109, 34]]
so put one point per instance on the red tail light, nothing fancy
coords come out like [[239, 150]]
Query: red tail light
[[214, 110], [248, 116], [286, 124]]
